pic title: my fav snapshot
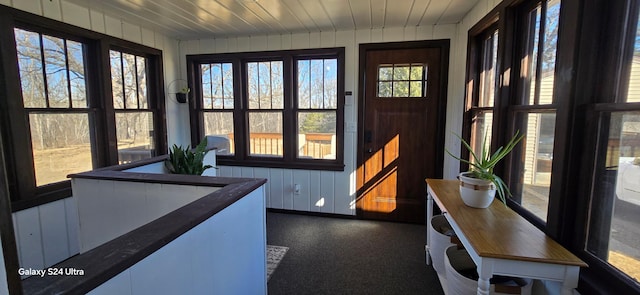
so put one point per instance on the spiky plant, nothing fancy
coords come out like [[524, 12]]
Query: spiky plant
[[186, 161], [482, 165]]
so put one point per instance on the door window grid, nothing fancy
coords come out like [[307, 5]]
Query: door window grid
[[402, 80]]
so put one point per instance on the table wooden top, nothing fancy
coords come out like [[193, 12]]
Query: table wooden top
[[498, 231]]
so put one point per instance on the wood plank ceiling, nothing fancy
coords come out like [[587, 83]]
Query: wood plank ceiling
[[194, 19]]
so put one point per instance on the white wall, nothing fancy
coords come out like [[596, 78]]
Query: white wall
[[201, 262], [328, 191], [48, 234]]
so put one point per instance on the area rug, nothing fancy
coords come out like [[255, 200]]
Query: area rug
[[274, 256]]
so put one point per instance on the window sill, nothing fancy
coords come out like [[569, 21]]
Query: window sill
[[300, 165]]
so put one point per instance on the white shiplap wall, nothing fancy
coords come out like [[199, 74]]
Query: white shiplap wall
[[328, 191], [47, 234]]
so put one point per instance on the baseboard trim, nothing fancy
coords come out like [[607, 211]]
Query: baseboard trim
[[309, 213]]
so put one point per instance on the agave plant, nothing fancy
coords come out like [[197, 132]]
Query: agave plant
[[481, 166], [186, 161]]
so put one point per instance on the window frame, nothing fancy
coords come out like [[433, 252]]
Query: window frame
[[241, 109], [23, 191], [591, 38]]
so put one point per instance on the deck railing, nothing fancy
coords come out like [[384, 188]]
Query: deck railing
[[310, 145]]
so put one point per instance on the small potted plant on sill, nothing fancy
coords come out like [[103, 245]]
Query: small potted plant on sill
[[181, 96], [479, 185], [186, 161]]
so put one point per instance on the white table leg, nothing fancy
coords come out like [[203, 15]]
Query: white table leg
[[428, 222], [571, 277], [485, 272]]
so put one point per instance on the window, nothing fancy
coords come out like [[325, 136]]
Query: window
[[402, 80], [274, 109], [534, 112], [54, 95], [70, 103], [134, 118], [568, 82], [317, 108], [218, 103], [479, 114]]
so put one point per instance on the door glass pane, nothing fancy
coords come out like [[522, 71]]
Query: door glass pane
[[61, 146], [615, 216], [134, 131], [220, 124], [317, 135], [265, 134], [537, 149]]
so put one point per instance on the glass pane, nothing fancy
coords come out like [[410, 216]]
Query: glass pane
[[253, 85], [531, 59], [401, 73], [135, 132], [613, 234], [227, 81], [401, 89], [116, 79], [330, 83], [384, 89], [481, 132], [277, 85], [56, 69], [489, 73], [265, 134], [304, 84], [207, 92], [75, 53], [317, 95], [130, 81], [537, 147], [141, 63], [220, 124], [417, 72], [30, 64], [547, 77], [317, 135], [385, 73], [633, 93], [415, 89], [217, 91], [61, 146]]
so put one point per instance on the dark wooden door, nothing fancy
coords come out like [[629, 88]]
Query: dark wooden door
[[401, 136]]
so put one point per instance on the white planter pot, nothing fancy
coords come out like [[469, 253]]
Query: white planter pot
[[477, 193]]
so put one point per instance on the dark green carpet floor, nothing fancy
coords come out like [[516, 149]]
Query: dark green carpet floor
[[344, 256]]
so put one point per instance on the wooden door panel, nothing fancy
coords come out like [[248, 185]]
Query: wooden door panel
[[398, 149]]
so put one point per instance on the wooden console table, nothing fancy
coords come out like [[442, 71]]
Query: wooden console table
[[502, 242]]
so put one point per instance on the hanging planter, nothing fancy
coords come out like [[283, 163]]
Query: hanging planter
[[181, 93], [181, 97]]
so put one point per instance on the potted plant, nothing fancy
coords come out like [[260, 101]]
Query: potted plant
[[187, 161], [479, 185], [181, 96]]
